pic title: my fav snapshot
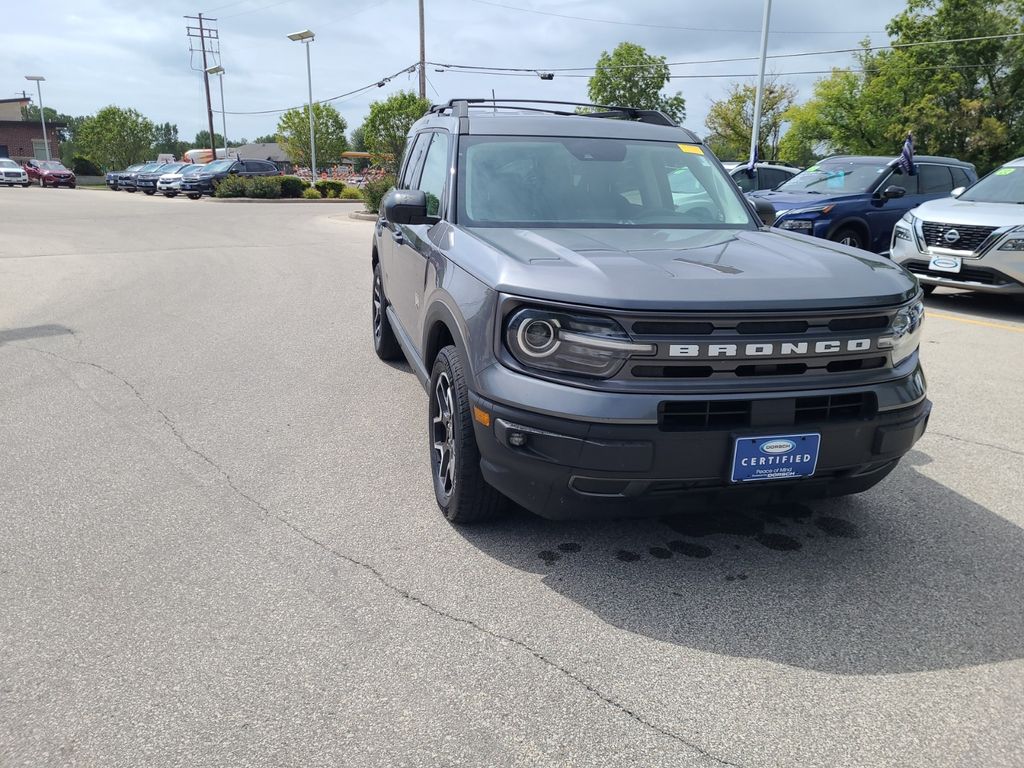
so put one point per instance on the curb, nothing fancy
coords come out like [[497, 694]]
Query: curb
[[321, 201], [363, 216]]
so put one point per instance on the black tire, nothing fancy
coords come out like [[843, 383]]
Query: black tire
[[129, 191], [149, 192], [26, 184], [170, 194], [194, 197], [384, 342], [928, 289], [848, 236], [459, 486]]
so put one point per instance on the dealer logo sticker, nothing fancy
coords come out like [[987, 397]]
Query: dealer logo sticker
[[776, 447]]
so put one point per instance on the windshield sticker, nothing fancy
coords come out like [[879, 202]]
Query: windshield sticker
[[1005, 171], [691, 149], [814, 168]]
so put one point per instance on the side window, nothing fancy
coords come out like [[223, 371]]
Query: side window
[[769, 178], [435, 173], [744, 182], [934, 179], [909, 183], [413, 155], [960, 177]]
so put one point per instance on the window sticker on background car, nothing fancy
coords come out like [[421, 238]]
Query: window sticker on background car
[[691, 149], [1004, 171]]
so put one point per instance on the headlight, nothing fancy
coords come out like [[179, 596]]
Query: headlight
[[796, 225], [905, 332], [902, 233], [908, 219], [584, 345], [1016, 244]]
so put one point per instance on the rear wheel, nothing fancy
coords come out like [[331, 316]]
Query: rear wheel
[[459, 486], [848, 236], [148, 191], [384, 342], [194, 196]]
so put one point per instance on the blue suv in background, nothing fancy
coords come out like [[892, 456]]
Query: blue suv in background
[[857, 200]]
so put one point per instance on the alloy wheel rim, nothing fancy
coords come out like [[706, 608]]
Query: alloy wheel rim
[[849, 240], [443, 434]]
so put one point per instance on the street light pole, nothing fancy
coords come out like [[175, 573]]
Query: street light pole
[[42, 113], [306, 37]]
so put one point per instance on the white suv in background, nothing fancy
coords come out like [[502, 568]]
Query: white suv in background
[[11, 173], [972, 240]]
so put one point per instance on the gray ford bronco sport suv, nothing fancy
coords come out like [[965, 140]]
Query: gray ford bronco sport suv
[[605, 326]]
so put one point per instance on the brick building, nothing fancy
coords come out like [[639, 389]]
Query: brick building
[[22, 139]]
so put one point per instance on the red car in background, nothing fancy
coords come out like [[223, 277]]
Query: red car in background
[[50, 173]]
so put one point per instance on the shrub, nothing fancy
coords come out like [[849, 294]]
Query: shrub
[[83, 166], [326, 185], [264, 187], [374, 192], [293, 186], [232, 186], [311, 194], [332, 193], [351, 193]]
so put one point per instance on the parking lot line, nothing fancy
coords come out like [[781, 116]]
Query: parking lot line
[[941, 316]]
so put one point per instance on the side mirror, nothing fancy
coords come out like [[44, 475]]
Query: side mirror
[[765, 211], [405, 206], [958, 191], [892, 192]]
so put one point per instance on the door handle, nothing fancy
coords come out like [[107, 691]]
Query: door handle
[[397, 236]]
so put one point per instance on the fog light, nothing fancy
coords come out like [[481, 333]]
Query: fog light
[[518, 439]]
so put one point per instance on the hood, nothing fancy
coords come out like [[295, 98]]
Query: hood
[[170, 177], [949, 210], [631, 268], [790, 201], [50, 172]]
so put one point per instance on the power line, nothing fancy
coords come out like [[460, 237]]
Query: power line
[[666, 26], [376, 84], [892, 46]]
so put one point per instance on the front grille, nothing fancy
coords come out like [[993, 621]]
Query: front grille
[[698, 415], [969, 274], [12, 174], [970, 236]]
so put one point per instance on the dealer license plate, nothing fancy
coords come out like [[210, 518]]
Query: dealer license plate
[[778, 457], [945, 263]]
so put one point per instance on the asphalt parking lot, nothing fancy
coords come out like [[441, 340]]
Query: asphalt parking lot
[[219, 544]]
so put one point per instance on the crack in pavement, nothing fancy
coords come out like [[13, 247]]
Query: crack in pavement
[[395, 589], [976, 442]]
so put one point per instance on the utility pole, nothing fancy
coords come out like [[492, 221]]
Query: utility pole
[[423, 57], [204, 33], [759, 96]]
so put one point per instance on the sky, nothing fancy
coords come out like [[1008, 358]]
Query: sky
[[136, 54]]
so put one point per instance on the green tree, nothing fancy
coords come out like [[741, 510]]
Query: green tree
[[167, 142], [387, 126], [116, 137], [631, 77], [357, 141], [964, 99], [269, 139], [730, 121], [329, 127]]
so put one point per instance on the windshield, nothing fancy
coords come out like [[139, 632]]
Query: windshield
[[52, 165], [837, 176], [173, 168], [219, 165], [148, 168], [188, 170], [5, 163], [585, 182], [1004, 185]]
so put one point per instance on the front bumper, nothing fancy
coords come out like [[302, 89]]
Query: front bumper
[[22, 179], [994, 272], [572, 469], [59, 181], [197, 188]]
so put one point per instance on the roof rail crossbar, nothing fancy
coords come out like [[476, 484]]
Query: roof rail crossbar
[[460, 107]]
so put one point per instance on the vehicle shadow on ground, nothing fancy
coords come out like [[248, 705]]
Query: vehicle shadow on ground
[[984, 306], [33, 332], [908, 577]]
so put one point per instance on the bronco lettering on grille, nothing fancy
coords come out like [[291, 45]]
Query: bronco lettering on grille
[[763, 349]]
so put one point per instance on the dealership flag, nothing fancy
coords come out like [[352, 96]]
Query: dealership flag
[[905, 162], [751, 168]]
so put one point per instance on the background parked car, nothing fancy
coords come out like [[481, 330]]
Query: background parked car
[[205, 182], [11, 173], [973, 239], [127, 178], [50, 173], [113, 178], [169, 183], [857, 200], [768, 176], [145, 180]]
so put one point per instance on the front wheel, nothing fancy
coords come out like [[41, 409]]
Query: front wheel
[[148, 191], [25, 185], [848, 236], [928, 289], [459, 486], [194, 197], [384, 342]]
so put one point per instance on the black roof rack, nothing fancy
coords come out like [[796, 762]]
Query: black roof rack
[[461, 107]]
